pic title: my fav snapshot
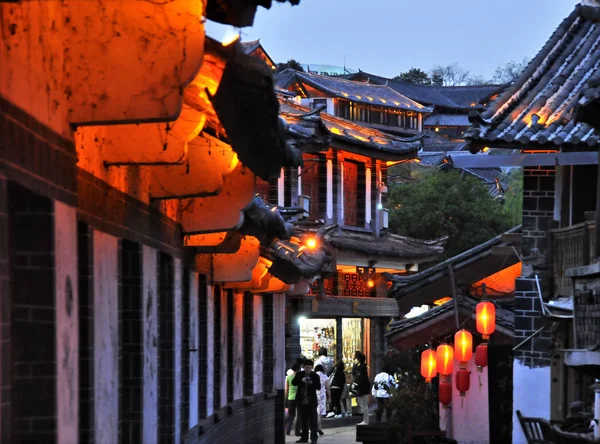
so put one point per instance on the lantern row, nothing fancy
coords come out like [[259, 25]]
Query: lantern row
[[442, 359]]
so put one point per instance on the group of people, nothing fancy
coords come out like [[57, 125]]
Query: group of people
[[310, 385]]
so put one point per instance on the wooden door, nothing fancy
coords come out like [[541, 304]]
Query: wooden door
[[350, 197]]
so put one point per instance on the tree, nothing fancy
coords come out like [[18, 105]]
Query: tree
[[450, 75], [508, 72], [446, 203], [513, 198], [477, 80], [414, 75], [291, 63]]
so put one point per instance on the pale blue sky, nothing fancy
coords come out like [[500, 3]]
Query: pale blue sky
[[386, 37]]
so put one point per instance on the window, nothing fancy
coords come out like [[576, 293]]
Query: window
[[316, 103], [314, 169]]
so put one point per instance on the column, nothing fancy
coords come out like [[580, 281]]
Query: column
[[150, 332], [194, 345]]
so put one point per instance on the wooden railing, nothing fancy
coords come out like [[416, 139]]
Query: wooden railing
[[570, 247]]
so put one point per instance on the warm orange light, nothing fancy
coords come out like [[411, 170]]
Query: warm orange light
[[486, 149], [485, 315], [311, 243], [437, 130], [230, 39], [370, 283], [463, 347], [445, 359], [428, 365], [442, 301], [417, 160]]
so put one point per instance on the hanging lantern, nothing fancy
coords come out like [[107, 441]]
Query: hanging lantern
[[445, 393], [463, 381], [485, 316], [445, 359], [428, 365], [481, 356], [463, 347]]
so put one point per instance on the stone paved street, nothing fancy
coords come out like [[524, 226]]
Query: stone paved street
[[337, 435]]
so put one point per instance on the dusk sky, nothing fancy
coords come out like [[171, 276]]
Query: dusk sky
[[387, 37]]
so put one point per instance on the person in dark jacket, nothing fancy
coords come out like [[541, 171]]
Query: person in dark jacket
[[361, 385], [336, 388], [308, 383]]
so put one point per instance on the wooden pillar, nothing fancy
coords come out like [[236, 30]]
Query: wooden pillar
[[339, 336]]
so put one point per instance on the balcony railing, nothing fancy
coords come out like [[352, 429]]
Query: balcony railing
[[570, 247]]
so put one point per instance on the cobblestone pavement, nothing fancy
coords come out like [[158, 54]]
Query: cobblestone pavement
[[337, 435]]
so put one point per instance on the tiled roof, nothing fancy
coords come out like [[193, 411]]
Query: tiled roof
[[588, 108], [447, 120], [250, 47], [504, 318], [351, 132], [361, 92], [538, 108], [285, 78], [459, 97], [387, 245]]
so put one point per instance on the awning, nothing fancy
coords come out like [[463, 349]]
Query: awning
[[524, 160]]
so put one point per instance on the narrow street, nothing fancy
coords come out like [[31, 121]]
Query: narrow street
[[337, 435]]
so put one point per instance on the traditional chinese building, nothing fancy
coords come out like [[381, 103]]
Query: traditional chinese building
[[142, 282], [554, 307], [342, 190]]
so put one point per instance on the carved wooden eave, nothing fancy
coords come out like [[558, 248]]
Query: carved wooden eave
[[237, 267], [238, 13], [101, 62], [258, 273], [270, 284], [222, 212]]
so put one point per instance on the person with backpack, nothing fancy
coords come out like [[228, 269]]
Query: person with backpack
[[325, 361], [383, 384]]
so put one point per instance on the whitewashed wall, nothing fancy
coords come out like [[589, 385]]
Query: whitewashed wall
[[224, 341], [279, 341], [178, 321], [193, 419], [106, 338], [257, 340], [470, 415], [210, 349], [238, 346], [150, 323], [67, 321], [531, 395]]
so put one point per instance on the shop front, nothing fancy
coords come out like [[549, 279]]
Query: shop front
[[340, 336]]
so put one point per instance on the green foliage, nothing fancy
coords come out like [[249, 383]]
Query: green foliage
[[413, 403], [447, 204], [414, 75], [291, 63], [513, 198]]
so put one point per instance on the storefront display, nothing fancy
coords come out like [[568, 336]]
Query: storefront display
[[317, 333]]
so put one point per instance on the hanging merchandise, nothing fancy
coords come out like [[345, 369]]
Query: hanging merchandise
[[445, 359], [481, 356], [463, 347], [445, 393], [485, 316], [428, 365]]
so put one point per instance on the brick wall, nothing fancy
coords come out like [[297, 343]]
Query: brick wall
[[5, 318], [538, 210], [33, 328], [166, 349], [131, 343], [86, 333]]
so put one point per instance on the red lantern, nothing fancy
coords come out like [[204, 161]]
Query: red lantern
[[481, 356], [485, 315], [463, 381], [463, 347], [445, 359], [445, 393], [428, 365]]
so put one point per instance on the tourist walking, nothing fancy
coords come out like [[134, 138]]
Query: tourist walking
[[383, 384], [338, 383], [308, 383], [360, 385], [322, 396], [290, 397], [325, 361]]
